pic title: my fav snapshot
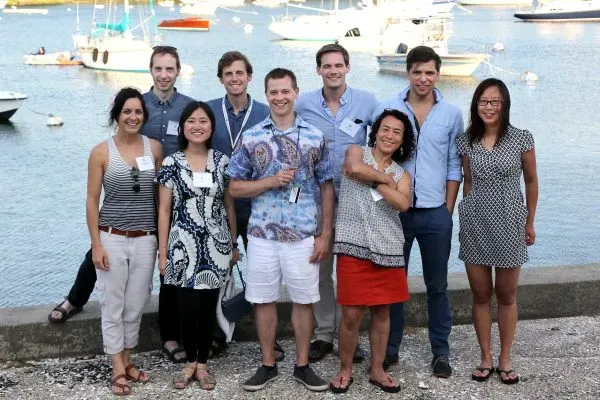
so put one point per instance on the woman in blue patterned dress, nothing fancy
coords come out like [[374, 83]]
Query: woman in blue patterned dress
[[196, 233], [496, 225]]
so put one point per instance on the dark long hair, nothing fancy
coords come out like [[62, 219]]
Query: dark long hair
[[119, 102], [407, 148], [189, 110], [476, 127]]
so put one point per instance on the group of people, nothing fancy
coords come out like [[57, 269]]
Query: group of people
[[303, 180]]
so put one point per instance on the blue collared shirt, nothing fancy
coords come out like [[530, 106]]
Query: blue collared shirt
[[436, 160], [164, 119], [221, 140], [263, 151], [355, 105]]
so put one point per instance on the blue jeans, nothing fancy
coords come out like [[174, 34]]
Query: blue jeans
[[432, 227]]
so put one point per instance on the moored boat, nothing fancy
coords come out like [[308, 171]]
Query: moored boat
[[10, 103], [27, 11], [506, 3], [562, 11], [60, 58], [452, 64], [186, 24]]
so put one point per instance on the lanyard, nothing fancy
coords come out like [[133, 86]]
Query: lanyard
[[226, 116]]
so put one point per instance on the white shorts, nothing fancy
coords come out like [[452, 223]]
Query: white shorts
[[269, 261]]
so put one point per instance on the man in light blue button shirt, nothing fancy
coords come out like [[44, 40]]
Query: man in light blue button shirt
[[343, 114], [436, 175]]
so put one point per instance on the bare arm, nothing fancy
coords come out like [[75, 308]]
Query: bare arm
[[323, 241], [531, 192], [165, 200], [468, 178], [355, 168], [231, 221], [398, 194], [96, 162], [249, 189], [157, 152], [451, 193]]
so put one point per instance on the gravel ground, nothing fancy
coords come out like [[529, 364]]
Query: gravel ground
[[556, 358]]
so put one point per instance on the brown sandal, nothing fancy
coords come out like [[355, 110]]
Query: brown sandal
[[135, 379], [125, 387]]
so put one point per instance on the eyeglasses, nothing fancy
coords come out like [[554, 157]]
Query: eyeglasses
[[493, 103], [135, 175]]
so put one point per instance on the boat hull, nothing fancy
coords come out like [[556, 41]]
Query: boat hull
[[61, 58], [114, 54], [494, 2], [10, 103], [186, 24], [452, 64], [587, 15]]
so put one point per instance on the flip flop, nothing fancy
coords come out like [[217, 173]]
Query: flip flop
[[207, 382], [339, 389], [171, 354], [507, 381], [64, 314], [387, 389], [181, 380], [482, 378]]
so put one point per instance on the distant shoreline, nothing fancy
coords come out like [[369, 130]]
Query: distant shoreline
[[28, 3]]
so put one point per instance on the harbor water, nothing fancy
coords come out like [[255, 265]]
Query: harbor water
[[43, 235]]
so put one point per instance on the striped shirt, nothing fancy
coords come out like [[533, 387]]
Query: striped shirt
[[123, 208]]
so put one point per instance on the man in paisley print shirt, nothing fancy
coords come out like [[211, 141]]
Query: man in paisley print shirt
[[283, 165]]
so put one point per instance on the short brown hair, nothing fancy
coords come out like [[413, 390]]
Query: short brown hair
[[229, 58], [280, 73], [333, 48], [165, 50], [422, 54]]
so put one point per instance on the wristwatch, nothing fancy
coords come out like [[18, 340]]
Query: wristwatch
[[374, 185]]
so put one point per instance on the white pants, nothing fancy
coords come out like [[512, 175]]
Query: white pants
[[270, 261], [125, 288]]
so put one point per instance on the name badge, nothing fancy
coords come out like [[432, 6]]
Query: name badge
[[294, 194], [172, 128], [349, 127], [376, 195], [202, 179], [145, 163]]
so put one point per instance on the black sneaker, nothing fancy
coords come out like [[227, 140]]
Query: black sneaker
[[359, 355], [260, 379], [388, 361], [306, 376], [318, 349], [441, 367]]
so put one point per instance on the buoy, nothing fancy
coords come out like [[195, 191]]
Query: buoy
[[248, 28], [172, 9], [235, 20], [529, 76], [497, 47], [54, 120], [69, 9]]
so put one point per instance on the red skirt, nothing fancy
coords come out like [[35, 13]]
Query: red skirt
[[362, 283]]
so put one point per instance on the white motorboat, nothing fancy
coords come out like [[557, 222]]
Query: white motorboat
[[198, 8], [561, 11], [505, 3], [2, 3], [270, 3], [59, 58], [27, 11], [10, 103], [113, 47], [166, 3]]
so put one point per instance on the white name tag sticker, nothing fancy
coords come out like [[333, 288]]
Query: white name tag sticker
[[145, 163], [172, 128], [203, 179], [376, 195], [349, 127], [294, 194]]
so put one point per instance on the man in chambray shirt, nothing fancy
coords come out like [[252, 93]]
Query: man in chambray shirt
[[436, 175], [343, 114]]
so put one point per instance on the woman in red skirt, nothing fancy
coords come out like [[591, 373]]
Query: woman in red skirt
[[369, 243]]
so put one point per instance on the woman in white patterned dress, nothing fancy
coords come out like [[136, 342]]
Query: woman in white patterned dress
[[196, 224], [495, 225]]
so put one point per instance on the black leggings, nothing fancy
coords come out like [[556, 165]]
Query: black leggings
[[198, 318]]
